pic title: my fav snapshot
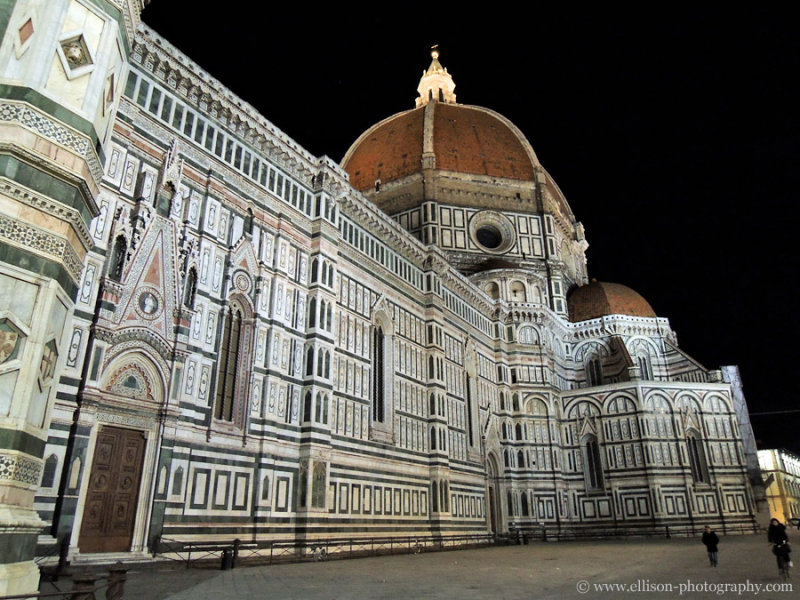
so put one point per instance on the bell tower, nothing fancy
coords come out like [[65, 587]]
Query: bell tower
[[62, 69]]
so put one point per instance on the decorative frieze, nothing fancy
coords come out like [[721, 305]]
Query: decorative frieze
[[44, 125], [30, 198], [41, 242], [20, 469]]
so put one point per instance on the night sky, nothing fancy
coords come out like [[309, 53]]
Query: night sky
[[672, 134]]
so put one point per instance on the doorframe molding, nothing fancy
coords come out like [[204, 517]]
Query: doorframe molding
[[148, 427]]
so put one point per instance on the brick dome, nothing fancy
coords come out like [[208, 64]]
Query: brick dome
[[599, 299], [459, 138]]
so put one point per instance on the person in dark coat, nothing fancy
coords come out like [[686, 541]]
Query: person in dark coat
[[776, 535], [711, 541]]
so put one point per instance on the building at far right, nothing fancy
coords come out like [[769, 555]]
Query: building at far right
[[781, 471]]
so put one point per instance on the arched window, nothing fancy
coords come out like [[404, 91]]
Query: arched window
[[314, 270], [433, 438], [517, 289], [378, 342], [310, 361], [117, 262], [49, 476], [645, 368], [592, 467], [524, 498], [594, 371], [434, 496], [229, 351], [177, 481], [697, 457], [519, 431], [190, 288], [312, 313], [470, 410], [307, 408], [381, 382], [320, 363], [515, 402]]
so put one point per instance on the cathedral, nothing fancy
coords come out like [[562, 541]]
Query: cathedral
[[208, 332]]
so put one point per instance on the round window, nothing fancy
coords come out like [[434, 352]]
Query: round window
[[489, 236], [492, 232]]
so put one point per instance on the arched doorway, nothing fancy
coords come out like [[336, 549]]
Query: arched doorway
[[112, 513], [492, 493]]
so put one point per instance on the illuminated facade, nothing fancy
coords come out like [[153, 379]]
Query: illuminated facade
[[271, 344]]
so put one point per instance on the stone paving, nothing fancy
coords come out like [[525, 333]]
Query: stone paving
[[648, 568]]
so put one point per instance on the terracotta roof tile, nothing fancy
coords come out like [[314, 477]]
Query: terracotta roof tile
[[599, 299], [390, 151], [470, 140]]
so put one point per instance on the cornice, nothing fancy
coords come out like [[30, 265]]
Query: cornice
[[27, 196], [621, 325], [355, 205], [168, 65], [28, 116]]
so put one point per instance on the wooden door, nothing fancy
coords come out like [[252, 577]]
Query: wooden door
[[110, 511]]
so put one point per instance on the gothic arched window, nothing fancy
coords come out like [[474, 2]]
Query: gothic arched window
[[117, 263], [592, 467], [312, 313], [227, 374], [190, 289], [644, 368], [378, 408], [307, 408], [49, 476], [697, 457], [594, 371]]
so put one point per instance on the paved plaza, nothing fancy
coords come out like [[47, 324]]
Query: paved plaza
[[649, 568]]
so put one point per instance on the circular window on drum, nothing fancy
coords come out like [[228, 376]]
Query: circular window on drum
[[492, 232]]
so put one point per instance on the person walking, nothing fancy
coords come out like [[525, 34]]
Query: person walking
[[776, 535], [711, 541]]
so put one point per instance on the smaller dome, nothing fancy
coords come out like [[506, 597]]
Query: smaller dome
[[599, 299]]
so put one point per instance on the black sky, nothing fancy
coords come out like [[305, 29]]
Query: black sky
[[673, 134]]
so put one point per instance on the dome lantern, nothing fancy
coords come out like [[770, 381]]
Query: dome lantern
[[436, 83]]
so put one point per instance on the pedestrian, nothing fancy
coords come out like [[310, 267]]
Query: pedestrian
[[776, 535], [711, 540]]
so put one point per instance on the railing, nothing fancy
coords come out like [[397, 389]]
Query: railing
[[523, 534], [231, 553], [85, 585]]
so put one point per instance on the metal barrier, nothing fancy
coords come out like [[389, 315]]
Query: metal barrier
[[269, 552], [551, 532]]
